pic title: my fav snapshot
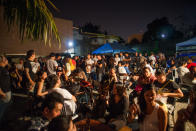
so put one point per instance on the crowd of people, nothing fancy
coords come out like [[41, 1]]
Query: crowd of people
[[122, 92]]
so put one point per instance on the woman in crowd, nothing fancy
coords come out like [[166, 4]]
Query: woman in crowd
[[145, 78], [41, 88], [152, 117], [118, 105]]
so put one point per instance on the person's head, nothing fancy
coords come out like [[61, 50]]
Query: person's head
[[31, 55], [116, 55], [161, 76], [126, 54], [42, 75], [52, 56], [189, 60], [121, 54], [146, 72], [140, 54], [53, 81], [112, 71], [147, 97], [62, 123], [88, 56], [21, 61], [136, 54], [183, 63], [99, 57], [152, 54], [119, 63], [52, 105], [3, 61], [59, 71], [58, 57]]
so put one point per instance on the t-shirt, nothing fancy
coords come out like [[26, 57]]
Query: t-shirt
[[117, 59], [191, 64], [171, 87], [51, 66], [30, 65], [70, 105], [89, 62], [4, 80]]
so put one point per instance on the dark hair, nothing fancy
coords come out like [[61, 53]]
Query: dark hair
[[142, 102], [60, 123], [39, 74], [30, 53], [181, 63], [51, 99], [52, 54], [51, 81], [160, 72]]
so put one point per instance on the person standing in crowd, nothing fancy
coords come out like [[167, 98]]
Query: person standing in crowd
[[167, 90], [117, 59], [190, 63], [121, 56], [51, 108], [20, 66], [36, 66], [30, 76], [182, 70], [152, 57], [89, 63], [59, 60], [100, 68], [51, 64], [127, 58], [5, 86]]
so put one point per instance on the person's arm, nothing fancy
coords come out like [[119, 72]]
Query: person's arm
[[40, 87], [162, 117], [28, 76], [178, 93], [2, 94]]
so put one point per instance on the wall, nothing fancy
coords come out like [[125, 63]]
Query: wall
[[11, 44]]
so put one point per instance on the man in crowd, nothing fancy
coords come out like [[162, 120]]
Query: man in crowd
[[5, 86], [29, 66], [51, 108], [52, 64], [167, 91]]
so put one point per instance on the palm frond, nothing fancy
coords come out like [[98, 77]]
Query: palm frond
[[33, 19]]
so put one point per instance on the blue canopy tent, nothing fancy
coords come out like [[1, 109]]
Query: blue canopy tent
[[186, 48], [113, 48]]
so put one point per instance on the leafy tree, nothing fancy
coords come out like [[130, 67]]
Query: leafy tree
[[161, 29], [32, 17], [89, 27]]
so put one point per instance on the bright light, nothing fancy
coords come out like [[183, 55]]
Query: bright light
[[70, 44], [163, 35]]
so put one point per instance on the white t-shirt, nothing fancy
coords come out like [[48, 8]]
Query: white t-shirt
[[20, 66], [116, 60], [152, 58], [122, 70], [68, 69], [151, 70], [70, 105], [182, 71], [89, 62], [51, 66]]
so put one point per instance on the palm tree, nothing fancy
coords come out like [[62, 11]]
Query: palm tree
[[32, 17]]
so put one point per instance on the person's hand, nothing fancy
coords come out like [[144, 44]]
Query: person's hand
[[32, 83]]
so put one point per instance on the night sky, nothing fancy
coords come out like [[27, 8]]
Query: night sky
[[123, 18]]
